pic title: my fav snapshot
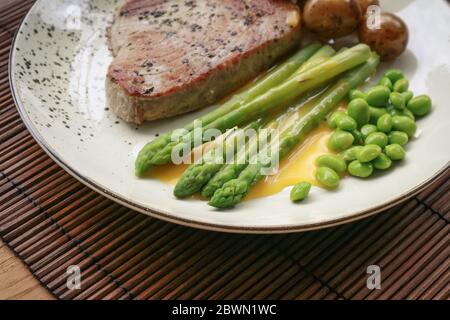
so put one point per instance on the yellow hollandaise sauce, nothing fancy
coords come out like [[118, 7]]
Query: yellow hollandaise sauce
[[168, 173], [298, 166]]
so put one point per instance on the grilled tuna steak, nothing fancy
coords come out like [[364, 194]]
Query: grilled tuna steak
[[175, 56]]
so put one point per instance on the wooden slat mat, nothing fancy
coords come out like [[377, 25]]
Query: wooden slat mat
[[51, 221]]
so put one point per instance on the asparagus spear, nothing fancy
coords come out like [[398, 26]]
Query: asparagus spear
[[282, 94], [198, 174], [234, 190], [317, 58], [274, 77], [232, 170]]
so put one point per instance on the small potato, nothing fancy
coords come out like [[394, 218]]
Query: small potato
[[364, 4], [389, 40], [331, 18]]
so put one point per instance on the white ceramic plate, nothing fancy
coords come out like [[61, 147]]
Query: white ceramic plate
[[58, 66]]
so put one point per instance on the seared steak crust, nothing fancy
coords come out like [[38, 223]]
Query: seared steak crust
[[175, 56]]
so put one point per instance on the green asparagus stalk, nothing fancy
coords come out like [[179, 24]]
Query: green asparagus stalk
[[317, 58], [282, 94], [274, 77], [232, 170], [232, 192], [198, 174]]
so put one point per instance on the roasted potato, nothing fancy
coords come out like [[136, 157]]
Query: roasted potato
[[332, 18], [364, 4], [389, 39]]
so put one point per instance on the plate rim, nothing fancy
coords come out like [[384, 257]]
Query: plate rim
[[182, 221]]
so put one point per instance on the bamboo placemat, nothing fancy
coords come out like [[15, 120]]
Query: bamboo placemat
[[52, 221]]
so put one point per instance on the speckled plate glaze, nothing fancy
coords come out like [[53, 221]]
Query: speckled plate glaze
[[58, 66]]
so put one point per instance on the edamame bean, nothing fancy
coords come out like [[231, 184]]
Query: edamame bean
[[378, 138], [346, 123], [340, 140], [403, 113], [384, 124], [300, 191], [395, 152], [420, 105], [356, 94], [398, 137], [350, 154], [327, 177], [334, 117], [360, 170], [358, 138], [385, 81], [368, 153], [367, 129], [394, 75], [397, 100], [332, 161], [408, 95], [405, 124], [376, 113], [382, 162], [401, 85], [358, 109], [378, 96]]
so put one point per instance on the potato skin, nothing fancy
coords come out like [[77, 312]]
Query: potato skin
[[331, 18], [390, 40], [364, 4]]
